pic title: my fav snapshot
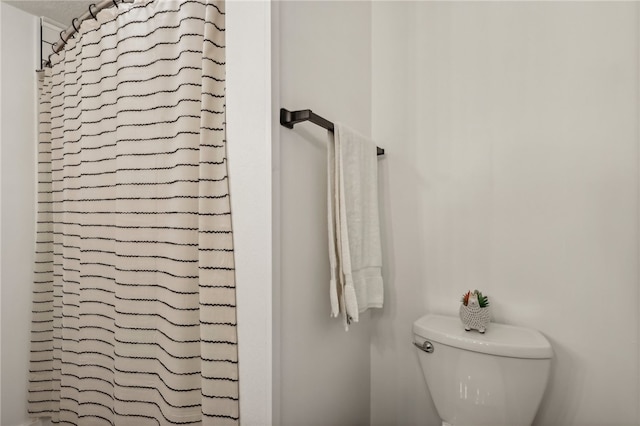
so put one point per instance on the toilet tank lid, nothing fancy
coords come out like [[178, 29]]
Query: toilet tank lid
[[499, 339]]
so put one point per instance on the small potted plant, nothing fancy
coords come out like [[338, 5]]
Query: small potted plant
[[474, 311]]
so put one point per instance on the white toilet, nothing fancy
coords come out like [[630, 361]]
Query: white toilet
[[491, 379]]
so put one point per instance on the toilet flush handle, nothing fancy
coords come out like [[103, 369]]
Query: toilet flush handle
[[426, 346]]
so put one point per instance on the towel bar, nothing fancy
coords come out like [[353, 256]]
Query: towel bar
[[290, 118]]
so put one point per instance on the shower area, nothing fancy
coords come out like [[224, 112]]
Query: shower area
[[511, 138], [187, 151]]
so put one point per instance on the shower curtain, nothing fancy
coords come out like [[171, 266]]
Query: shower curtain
[[134, 302]]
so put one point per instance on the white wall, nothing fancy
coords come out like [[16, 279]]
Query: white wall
[[18, 171], [398, 390], [249, 127], [249, 151], [324, 51], [0, 219], [512, 166]]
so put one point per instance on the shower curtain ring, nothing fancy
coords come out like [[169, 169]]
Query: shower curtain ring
[[73, 23], [91, 13], [48, 63], [64, 42]]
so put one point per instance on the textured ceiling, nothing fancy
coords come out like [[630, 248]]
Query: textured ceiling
[[60, 11]]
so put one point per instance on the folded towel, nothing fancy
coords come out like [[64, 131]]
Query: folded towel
[[354, 226]]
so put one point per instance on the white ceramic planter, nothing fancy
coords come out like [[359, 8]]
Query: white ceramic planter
[[474, 317]]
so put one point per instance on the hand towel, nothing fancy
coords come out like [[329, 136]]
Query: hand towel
[[335, 288], [355, 251]]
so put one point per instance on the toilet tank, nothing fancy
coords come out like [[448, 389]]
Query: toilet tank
[[496, 378]]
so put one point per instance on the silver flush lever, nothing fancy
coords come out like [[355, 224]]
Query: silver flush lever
[[426, 346]]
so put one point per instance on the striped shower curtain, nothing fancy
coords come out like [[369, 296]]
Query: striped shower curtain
[[134, 296]]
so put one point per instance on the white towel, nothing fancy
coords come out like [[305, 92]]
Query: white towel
[[354, 226], [335, 287]]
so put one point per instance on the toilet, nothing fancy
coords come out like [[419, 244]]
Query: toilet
[[491, 379]]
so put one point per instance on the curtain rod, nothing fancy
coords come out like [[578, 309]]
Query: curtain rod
[[92, 12], [290, 118]]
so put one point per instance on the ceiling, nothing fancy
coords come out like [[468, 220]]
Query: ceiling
[[61, 11]]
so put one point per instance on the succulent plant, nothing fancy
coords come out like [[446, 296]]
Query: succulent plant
[[483, 301], [465, 298]]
